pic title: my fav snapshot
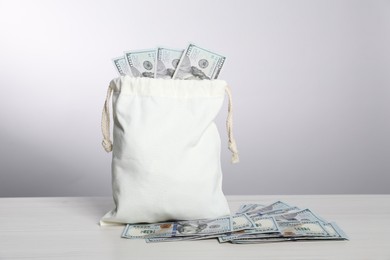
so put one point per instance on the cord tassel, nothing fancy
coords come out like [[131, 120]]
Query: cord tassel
[[105, 123], [229, 127]]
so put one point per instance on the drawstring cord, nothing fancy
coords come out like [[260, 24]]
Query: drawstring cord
[[229, 127], [107, 144]]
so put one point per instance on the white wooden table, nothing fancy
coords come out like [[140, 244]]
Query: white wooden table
[[67, 228]]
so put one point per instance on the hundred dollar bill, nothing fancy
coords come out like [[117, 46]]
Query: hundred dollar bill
[[255, 209], [333, 233], [121, 66], [334, 230], [302, 215], [141, 63], [181, 238], [167, 239], [203, 227], [279, 211], [166, 62], [134, 231], [199, 63], [266, 226], [243, 208], [260, 241], [262, 225], [188, 228], [302, 229], [242, 235], [241, 222]]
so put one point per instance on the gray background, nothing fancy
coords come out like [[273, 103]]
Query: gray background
[[310, 83]]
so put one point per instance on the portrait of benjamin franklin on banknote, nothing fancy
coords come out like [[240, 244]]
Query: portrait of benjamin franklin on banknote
[[166, 62], [187, 71], [190, 228], [163, 72], [175, 62]]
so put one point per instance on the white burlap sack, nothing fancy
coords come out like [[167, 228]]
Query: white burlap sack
[[166, 149]]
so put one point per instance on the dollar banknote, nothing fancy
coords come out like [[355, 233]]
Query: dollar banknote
[[259, 241], [246, 207], [272, 208], [121, 66], [241, 222], [243, 228], [141, 63], [279, 211], [149, 230], [243, 207], [302, 229], [302, 215], [188, 228], [334, 231], [203, 226], [262, 225], [198, 63], [196, 230], [192, 63], [166, 62], [288, 231], [168, 239], [244, 235]]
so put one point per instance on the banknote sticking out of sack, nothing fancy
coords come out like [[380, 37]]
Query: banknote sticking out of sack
[[166, 149]]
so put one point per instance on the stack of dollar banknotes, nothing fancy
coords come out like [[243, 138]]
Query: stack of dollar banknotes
[[192, 63], [252, 223]]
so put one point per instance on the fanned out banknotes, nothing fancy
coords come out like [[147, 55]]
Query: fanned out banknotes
[[252, 223], [192, 63]]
